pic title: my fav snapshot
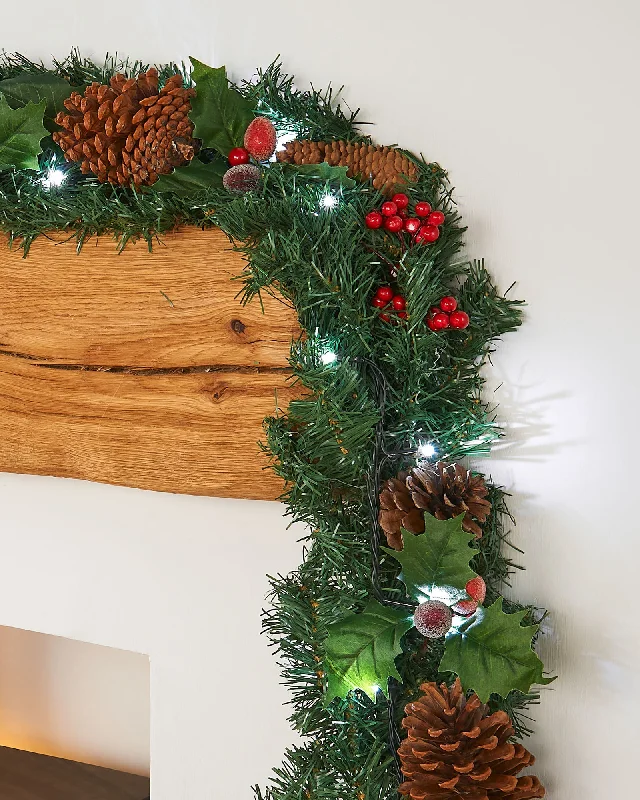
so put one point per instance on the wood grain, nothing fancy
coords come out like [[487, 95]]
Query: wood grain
[[30, 776], [102, 378]]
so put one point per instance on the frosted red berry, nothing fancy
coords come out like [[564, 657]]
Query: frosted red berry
[[399, 303], [394, 224], [435, 218], [476, 588], [432, 619], [385, 293], [401, 200], [448, 304], [412, 225], [378, 302], [422, 209], [241, 178], [238, 156], [260, 138], [389, 209], [465, 607], [373, 220], [459, 320]]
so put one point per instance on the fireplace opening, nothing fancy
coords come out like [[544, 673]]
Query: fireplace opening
[[74, 719]]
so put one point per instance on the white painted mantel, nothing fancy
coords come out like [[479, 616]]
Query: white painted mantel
[[532, 108]]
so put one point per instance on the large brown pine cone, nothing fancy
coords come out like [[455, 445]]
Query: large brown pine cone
[[456, 749], [128, 131], [442, 490], [387, 167]]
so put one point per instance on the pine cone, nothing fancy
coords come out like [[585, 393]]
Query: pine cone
[[128, 131], [443, 490], [455, 749], [387, 166]]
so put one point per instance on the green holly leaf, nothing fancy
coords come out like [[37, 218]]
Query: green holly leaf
[[361, 650], [21, 131], [438, 560], [220, 113], [493, 653], [192, 178], [29, 88], [325, 173]]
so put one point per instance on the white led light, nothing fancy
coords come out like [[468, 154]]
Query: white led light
[[375, 688], [328, 357], [328, 201], [426, 450], [53, 178]]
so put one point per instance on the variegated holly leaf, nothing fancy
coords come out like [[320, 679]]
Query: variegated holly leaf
[[361, 650]]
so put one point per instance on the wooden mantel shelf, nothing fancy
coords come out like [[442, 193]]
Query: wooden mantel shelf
[[140, 368], [29, 776]]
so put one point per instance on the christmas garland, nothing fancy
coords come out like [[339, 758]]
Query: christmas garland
[[408, 669]]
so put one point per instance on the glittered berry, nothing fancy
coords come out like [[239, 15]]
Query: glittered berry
[[401, 200], [238, 156], [385, 317], [432, 619], [412, 225], [435, 218], [422, 209], [260, 138], [373, 220], [378, 302], [465, 607], [394, 224], [459, 320], [399, 303], [439, 321], [241, 178], [385, 293], [427, 233], [389, 209], [476, 588], [448, 304]]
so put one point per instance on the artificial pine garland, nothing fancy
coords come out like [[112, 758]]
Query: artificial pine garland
[[397, 329]]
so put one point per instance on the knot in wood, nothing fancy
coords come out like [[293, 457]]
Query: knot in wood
[[238, 326]]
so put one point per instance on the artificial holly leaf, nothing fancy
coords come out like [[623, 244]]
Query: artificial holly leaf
[[220, 113], [29, 88], [192, 178], [493, 653], [361, 650], [436, 559], [21, 131], [325, 173]]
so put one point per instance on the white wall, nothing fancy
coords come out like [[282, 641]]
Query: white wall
[[531, 106]]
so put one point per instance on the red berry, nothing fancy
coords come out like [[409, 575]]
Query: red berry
[[439, 321], [260, 138], [459, 320], [385, 317], [394, 224], [476, 588], [431, 325], [378, 302], [427, 233], [432, 619], [385, 293], [401, 200], [403, 314], [435, 218], [412, 225], [423, 209], [238, 156], [373, 220], [389, 209], [465, 607], [399, 303], [403, 213], [448, 304]]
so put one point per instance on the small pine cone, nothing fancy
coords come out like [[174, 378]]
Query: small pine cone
[[444, 491], [387, 167], [128, 132], [455, 748]]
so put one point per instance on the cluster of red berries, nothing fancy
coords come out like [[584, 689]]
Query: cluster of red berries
[[447, 315], [434, 618], [394, 216], [386, 298]]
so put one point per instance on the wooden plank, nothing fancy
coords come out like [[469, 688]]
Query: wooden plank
[[102, 378], [30, 776]]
